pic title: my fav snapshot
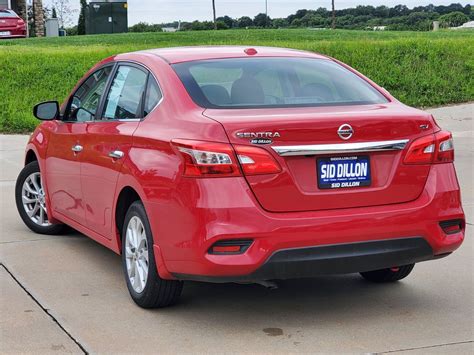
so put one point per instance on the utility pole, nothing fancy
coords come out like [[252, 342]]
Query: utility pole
[[27, 20], [266, 8], [214, 13], [333, 16]]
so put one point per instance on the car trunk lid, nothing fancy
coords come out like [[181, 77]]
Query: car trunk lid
[[305, 140], [8, 22]]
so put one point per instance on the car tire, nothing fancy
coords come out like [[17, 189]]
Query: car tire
[[146, 287], [31, 201], [388, 275]]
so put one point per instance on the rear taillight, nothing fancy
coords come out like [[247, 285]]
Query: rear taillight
[[421, 151], [444, 147], [256, 161], [434, 148], [20, 22], [208, 159]]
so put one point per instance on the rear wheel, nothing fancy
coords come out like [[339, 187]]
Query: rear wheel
[[146, 287], [31, 201], [388, 275]]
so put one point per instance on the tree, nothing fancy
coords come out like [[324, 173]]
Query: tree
[[381, 11], [297, 22], [227, 20], [262, 20], [145, 27], [299, 14], [53, 13], [64, 12], [279, 23], [399, 17], [221, 25], [214, 13], [333, 26], [313, 20], [244, 22], [453, 19], [399, 10], [81, 24], [38, 16]]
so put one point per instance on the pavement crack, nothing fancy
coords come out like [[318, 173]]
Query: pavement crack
[[428, 346], [24, 241], [46, 310]]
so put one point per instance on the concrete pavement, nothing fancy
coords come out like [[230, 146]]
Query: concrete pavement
[[66, 294]]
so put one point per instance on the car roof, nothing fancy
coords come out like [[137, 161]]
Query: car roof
[[186, 54]]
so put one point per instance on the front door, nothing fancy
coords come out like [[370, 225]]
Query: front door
[[63, 170], [67, 145], [109, 139]]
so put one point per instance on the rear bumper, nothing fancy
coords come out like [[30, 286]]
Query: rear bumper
[[333, 259], [15, 32], [312, 243], [12, 36]]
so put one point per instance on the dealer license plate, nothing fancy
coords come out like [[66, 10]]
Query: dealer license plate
[[343, 172]]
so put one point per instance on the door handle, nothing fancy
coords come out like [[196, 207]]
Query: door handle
[[116, 154], [77, 148]]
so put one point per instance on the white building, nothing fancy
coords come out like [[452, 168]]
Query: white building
[[469, 24], [169, 29]]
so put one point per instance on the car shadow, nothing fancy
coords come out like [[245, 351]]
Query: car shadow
[[330, 299]]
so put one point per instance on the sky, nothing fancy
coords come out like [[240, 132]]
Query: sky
[[162, 11]]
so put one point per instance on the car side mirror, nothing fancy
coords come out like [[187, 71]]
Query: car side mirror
[[46, 111]]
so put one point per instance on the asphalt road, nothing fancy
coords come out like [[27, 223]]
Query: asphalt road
[[67, 294]]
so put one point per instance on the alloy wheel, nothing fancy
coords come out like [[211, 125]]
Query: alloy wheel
[[136, 254], [34, 200]]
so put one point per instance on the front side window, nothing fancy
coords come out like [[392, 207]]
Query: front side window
[[274, 82], [125, 95], [86, 99]]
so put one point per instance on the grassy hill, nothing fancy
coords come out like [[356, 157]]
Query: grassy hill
[[419, 68]]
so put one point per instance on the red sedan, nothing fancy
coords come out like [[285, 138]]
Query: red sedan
[[233, 164], [11, 25]]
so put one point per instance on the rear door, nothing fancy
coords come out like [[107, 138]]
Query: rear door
[[109, 139]]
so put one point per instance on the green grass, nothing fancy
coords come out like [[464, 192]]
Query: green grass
[[419, 68]]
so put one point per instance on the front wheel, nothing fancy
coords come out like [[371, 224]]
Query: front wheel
[[31, 201], [388, 275], [146, 287]]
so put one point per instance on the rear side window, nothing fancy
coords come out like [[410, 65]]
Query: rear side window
[[125, 95], [153, 95], [274, 82]]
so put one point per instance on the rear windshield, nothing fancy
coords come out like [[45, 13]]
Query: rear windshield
[[274, 82], [4, 14]]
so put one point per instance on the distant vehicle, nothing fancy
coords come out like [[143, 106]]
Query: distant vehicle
[[233, 164], [11, 25]]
